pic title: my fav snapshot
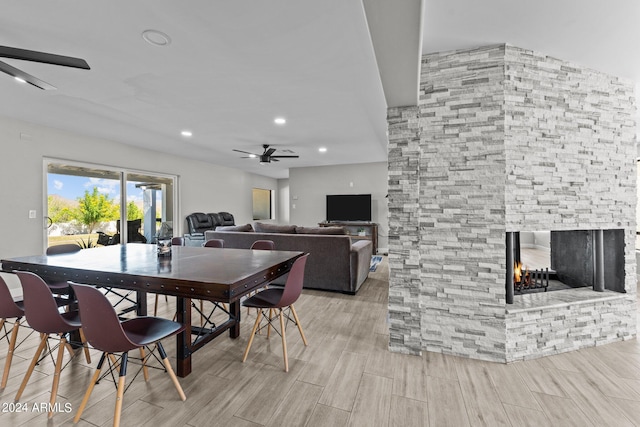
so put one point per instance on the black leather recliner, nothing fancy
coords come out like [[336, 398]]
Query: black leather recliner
[[226, 218], [198, 222]]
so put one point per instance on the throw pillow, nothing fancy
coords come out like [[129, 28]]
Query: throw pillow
[[320, 230], [246, 227], [262, 227]]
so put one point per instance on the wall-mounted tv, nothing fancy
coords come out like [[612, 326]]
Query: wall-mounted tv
[[348, 207]]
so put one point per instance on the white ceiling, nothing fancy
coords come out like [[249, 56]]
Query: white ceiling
[[603, 35], [233, 66]]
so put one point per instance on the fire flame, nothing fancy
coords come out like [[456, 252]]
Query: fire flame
[[518, 273]]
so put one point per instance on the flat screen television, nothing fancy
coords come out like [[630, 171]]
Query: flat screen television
[[348, 207]]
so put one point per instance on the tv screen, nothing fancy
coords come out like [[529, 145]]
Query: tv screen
[[349, 207]]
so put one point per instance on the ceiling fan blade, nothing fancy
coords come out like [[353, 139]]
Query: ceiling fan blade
[[245, 152], [269, 152], [46, 58], [282, 157], [14, 72]]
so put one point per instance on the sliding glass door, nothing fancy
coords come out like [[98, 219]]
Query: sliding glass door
[[85, 204]]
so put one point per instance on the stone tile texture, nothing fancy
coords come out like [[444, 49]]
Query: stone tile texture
[[504, 139]]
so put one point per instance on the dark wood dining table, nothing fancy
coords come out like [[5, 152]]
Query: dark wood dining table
[[212, 274]]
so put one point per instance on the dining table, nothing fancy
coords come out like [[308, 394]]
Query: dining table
[[219, 275]]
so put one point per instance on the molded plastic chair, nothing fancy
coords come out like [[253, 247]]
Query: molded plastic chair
[[213, 243], [9, 309], [108, 334], [266, 245], [41, 312], [278, 299], [62, 288], [66, 248]]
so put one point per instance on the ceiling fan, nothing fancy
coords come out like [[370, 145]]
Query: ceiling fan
[[267, 156], [34, 56]]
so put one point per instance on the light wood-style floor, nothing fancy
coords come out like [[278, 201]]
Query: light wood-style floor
[[347, 377]]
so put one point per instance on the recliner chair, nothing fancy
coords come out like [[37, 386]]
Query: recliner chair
[[198, 223]]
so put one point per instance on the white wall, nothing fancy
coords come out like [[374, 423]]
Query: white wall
[[283, 213], [203, 187], [308, 188]]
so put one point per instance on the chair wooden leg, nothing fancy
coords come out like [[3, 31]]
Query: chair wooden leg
[[120, 392], [253, 334], [27, 375], [295, 317], [69, 348], [172, 375], [94, 380], [284, 342], [12, 346], [56, 375], [85, 346], [145, 370], [269, 324]]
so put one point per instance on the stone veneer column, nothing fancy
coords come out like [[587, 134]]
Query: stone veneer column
[[504, 140], [571, 165], [404, 236], [462, 238]]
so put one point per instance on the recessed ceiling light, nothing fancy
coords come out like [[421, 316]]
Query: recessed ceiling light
[[21, 80], [322, 149], [279, 120], [156, 38], [186, 133]]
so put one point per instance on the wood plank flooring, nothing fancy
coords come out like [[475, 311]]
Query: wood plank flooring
[[345, 377]]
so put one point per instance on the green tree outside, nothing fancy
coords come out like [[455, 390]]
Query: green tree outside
[[60, 210], [94, 208], [133, 211]]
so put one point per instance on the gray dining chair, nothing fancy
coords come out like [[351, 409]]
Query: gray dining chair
[[277, 300]]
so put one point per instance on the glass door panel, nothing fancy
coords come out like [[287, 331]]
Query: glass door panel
[[83, 205], [150, 204]]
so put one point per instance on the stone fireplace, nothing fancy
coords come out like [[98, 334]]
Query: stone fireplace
[[507, 140], [566, 259]]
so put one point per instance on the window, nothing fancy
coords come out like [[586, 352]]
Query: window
[[85, 204], [262, 204]]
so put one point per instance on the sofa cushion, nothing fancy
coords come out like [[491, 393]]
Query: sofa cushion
[[321, 230], [262, 227], [246, 227]]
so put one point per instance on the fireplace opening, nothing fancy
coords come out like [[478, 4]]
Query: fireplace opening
[[541, 261]]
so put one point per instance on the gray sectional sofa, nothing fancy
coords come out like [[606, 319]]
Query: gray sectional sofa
[[334, 264]]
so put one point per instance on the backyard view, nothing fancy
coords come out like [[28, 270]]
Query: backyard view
[[84, 207]]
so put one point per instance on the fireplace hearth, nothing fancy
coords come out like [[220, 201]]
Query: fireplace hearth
[[578, 258], [529, 280]]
